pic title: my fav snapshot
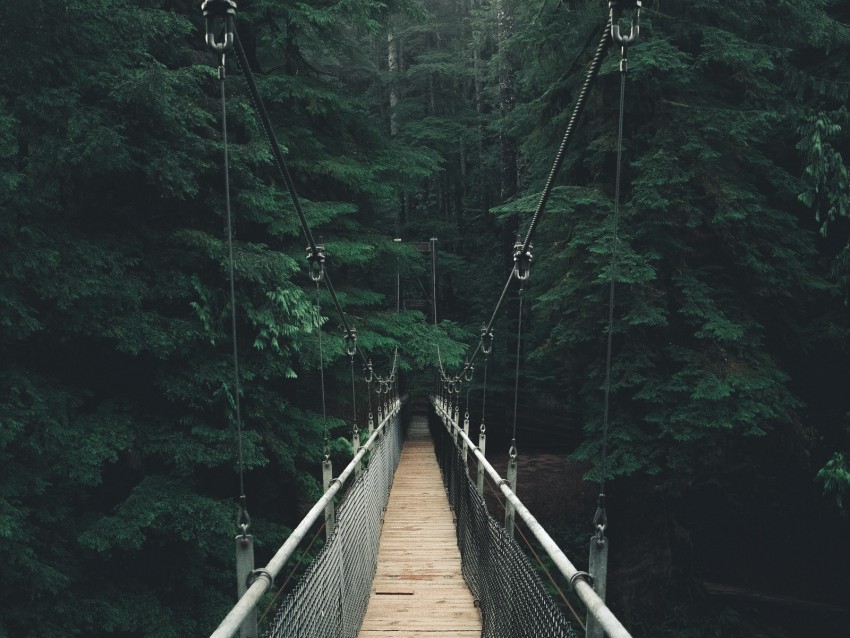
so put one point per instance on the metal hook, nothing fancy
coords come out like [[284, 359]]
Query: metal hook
[[351, 342], [600, 520], [225, 10], [317, 262], [468, 369], [486, 340], [616, 9], [243, 519], [522, 261], [369, 372]]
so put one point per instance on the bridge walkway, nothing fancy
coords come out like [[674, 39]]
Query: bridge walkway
[[419, 591]]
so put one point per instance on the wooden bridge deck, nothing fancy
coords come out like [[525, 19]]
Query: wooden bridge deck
[[419, 591]]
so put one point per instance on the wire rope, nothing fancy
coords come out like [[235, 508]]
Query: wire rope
[[233, 335], [322, 369], [612, 283], [516, 376], [581, 101]]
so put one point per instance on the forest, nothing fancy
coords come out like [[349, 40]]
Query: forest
[[728, 437]]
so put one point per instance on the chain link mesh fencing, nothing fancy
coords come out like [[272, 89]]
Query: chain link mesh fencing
[[330, 599], [514, 601]]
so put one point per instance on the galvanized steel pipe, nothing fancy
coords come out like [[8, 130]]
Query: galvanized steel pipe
[[595, 605], [229, 627]]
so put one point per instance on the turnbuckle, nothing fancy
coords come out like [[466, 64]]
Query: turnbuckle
[[224, 10], [522, 261], [616, 8], [316, 259]]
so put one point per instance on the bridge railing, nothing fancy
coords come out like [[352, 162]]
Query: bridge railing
[[234, 620], [595, 605]]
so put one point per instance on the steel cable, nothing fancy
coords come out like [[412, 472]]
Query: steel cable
[[592, 72]]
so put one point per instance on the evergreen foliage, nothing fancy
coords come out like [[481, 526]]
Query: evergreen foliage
[[412, 119]]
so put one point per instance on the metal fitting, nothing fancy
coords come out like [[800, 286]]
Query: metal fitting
[[317, 262], [224, 10], [351, 342], [581, 576], [616, 10], [257, 574], [486, 340], [522, 261]]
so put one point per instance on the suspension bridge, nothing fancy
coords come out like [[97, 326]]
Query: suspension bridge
[[411, 548]]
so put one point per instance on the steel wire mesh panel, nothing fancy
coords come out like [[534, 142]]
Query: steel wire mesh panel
[[514, 601], [330, 599]]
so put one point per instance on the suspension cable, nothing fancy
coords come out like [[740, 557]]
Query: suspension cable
[[280, 162], [612, 283], [516, 377], [325, 437], [283, 169], [595, 65], [353, 398], [243, 519], [592, 72], [600, 518]]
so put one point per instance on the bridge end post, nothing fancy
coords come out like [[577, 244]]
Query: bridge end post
[[510, 511], [330, 513], [244, 567], [355, 443], [465, 448], [598, 568], [482, 446]]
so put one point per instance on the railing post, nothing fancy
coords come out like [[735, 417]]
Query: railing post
[[330, 514], [465, 448], [355, 443], [244, 567], [482, 445], [509, 508], [598, 568]]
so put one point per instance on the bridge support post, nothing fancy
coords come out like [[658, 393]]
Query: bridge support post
[[482, 446], [244, 567], [598, 568], [330, 513], [355, 443], [465, 447], [510, 512]]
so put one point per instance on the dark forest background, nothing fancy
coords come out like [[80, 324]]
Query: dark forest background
[[729, 441]]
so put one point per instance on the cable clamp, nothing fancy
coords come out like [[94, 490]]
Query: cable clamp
[[316, 259], [369, 372], [581, 576], [255, 575], [219, 10], [522, 261]]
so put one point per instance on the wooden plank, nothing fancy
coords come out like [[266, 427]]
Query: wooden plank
[[419, 591]]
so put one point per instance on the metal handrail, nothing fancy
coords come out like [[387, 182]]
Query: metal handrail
[[595, 605], [229, 627]]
